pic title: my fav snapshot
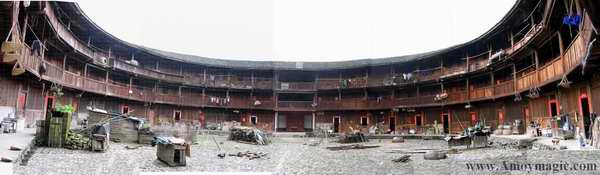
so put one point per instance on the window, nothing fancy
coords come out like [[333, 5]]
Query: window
[[254, 119], [177, 115], [124, 109], [364, 121]]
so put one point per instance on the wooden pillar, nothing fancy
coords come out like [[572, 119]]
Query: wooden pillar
[[493, 84], [560, 43], [204, 77], [316, 84], [468, 89], [252, 79], [468, 68], [514, 70]]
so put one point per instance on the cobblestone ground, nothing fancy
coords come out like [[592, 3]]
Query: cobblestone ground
[[291, 156]]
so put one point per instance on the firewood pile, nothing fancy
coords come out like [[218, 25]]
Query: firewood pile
[[77, 141], [145, 136], [248, 135]]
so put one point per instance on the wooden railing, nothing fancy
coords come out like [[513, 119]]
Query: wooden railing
[[333, 83], [263, 83], [74, 80], [481, 92], [192, 98], [526, 38], [94, 85], [428, 75], [295, 104], [479, 61], [240, 102], [454, 70], [406, 101], [579, 47], [297, 86], [170, 97], [551, 70], [507, 87], [527, 80], [66, 35], [457, 96], [374, 103], [117, 89], [138, 70], [426, 99]]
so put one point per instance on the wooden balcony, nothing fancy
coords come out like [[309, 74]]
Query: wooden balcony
[[67, 36], [551, 70], [94, 85], [479, 61], [377, 81], [578, 48], [241, 84], [481, 92], [296, 86], [525, 40], [170, 97], [74, 80], [453, 70], [504, 88], [117, 89], [344, 103], [526, 79], [240, 102], [138, 70], [426, 99], [333, 83], [429, 75], [457, 96], [263, 83], [295, 105], [192, 98], [406, 101], [374, 103]]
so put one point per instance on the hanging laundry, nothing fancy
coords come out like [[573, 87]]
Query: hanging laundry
[[572, 20], [37, 47]]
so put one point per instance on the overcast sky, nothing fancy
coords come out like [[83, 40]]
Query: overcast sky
[[297, 30]]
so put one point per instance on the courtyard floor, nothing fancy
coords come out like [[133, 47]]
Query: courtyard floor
[[292, 156]]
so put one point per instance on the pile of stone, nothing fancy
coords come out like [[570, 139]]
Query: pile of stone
[[77, 141], [248, 135], [356, 137]]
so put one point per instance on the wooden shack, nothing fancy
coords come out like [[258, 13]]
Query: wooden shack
[[172, 153]]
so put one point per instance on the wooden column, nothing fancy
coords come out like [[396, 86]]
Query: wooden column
[[468, 90], [514, 72], [316, 84], [493, 84]]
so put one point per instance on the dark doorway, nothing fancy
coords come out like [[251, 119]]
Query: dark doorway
[[446, 123], [554, 112], [392, 124], [585, 113], [418, 121], [336, 124]]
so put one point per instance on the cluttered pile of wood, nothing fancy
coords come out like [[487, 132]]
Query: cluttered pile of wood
[[77, 141], [353, 138], [248, 135]]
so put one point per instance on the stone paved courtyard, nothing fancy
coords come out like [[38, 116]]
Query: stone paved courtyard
[[292, 156]]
